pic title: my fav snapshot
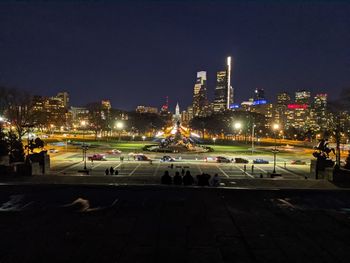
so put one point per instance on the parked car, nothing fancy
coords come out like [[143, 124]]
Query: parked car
[[221, 159], [260, 161], [141, 157], [298, 162], [53, 150], [209, 158], [114, 151], [167, 158], [97, 157], [241, 160]]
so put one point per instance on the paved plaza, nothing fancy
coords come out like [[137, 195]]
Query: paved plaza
[[57, 223]]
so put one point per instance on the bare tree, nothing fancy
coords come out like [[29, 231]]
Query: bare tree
[[16, 105]]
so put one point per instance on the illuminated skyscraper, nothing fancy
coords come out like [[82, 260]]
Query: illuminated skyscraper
[[223, 92], [320, 107], [299, 112], [281, 113], [64, 97], [302, 97], [200, 101]]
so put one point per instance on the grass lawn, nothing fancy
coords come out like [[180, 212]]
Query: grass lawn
[[129, 146], [230, 148]]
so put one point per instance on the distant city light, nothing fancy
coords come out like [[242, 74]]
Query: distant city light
[[238, 125], [119, 125], [276, 126], [297, 106], [159, 134], [234, 106], [259, 102], [195, 135]]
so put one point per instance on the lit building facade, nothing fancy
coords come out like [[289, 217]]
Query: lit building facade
[[200, 101], [50, 111], [281, 112], [320, 109], [146, 109], [224, 94]]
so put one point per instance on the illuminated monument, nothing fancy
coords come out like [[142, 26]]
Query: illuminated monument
[[177, 138]]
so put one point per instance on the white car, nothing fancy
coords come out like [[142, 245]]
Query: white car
[[114, 151], [53, 150]]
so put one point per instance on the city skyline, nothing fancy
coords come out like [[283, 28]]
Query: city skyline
[[96, 49]]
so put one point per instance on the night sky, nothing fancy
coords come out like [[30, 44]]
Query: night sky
[[135, 54]]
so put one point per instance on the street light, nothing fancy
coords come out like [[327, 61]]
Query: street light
[[119, 125], [65, 136], [275, 128], [83, 124], [143, 137], [52, 127], [214, 139], [237, 126], [253, 127]]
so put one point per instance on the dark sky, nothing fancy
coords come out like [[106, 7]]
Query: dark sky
[[138, 53]]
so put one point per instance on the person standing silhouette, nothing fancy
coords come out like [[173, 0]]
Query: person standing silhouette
[[177, 178]]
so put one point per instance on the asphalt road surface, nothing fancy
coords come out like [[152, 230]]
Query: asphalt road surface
[[71, 163]]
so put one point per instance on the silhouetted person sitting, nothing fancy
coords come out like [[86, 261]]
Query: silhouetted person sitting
[[166, 178], [177, 179], [215, 181], [116, 172], [188, 179], [111, 170], [203, 179], [107, 171]]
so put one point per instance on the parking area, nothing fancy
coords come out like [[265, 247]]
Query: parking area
[[70, 165]]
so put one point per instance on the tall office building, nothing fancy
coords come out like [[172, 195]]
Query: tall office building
[[302, 97], [283, 99], [223, 92], [319, 108], [299, 112], [200, 101], [64, 97]]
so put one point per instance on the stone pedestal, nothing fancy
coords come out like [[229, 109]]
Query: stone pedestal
[[5, 160], [325, 173]]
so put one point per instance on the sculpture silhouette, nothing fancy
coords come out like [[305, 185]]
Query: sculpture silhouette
[[323, 150]]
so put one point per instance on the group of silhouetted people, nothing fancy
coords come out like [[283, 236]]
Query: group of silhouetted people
[[187, 179], [111, 171]]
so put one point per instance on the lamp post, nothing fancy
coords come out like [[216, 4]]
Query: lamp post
[[253, 127], [119, 125], [83, 124], [275, 128], [52, 126], [65, 136], [143, 137], [214, 139]]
